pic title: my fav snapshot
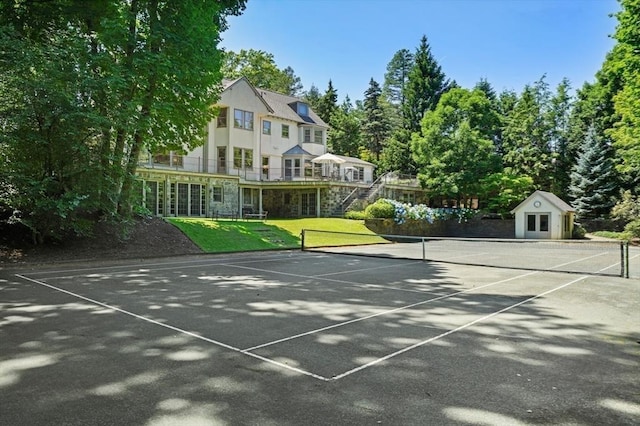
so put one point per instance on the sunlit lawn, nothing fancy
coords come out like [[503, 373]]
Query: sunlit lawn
[[231, 236]]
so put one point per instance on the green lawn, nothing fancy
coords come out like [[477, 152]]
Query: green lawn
[[231, 236]]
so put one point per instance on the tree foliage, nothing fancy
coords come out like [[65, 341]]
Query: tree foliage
[[345, 132], [376, 126], [260, 68], [593, 180], [454, 150], [425, 85], [87, 87], [626, 132], [328, 103]]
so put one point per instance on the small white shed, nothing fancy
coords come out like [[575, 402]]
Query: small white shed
[[544, 216]]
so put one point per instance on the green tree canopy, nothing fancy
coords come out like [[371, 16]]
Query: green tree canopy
[[376, 125], [345, 132], [87, 87], [454, 150], [425, 85], [593, 180], [261, 70]]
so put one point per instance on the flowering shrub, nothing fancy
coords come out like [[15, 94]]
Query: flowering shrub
[[404, 211]]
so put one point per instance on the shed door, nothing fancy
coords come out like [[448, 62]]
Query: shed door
[[537, 225]]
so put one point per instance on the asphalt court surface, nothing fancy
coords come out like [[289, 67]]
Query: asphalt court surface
[[332, 318]]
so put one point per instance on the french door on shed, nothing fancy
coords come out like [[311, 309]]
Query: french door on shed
[[538, 225]]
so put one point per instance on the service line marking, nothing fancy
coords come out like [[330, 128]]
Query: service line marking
[[455, 330], [341, 324], [176, 329]]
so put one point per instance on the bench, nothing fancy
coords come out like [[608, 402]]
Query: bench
[[224, 215], [248, 213]]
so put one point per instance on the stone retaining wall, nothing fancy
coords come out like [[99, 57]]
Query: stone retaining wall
[[474, 228]]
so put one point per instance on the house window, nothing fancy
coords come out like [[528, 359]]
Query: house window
[[222, 117], [309, 204], [266, 127], [242, 158], [170, 159], [242, 119], [544, 223], [237, 158], [265, 168], [153, 197], [187, 199], [317, 136], [222, 159], [216, 194], [307, 135], [531, 222], [247, 196], [359, 173], [291, 168], [248, 158], [303, 109], [285, 131]]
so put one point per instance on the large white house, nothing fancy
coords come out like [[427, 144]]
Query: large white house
[[265, 151]]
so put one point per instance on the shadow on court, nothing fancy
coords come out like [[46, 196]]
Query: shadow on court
[[301, 338]]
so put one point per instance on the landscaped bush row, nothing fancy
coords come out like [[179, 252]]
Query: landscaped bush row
[[401, 212]]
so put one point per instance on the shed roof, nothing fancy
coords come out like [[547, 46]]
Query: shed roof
[[553, 199]]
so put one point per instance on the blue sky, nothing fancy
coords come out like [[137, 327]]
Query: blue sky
[[509, 42]]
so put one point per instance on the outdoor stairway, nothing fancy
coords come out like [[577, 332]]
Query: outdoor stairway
[[359, 195]]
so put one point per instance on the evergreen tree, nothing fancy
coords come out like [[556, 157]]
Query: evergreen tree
[[396, 154], [526, 136], [328, 103], [376, 127], [345, 130], [558, 116], [395, 81], [313, 96], [425, 85], [295, 84], [593, 180]]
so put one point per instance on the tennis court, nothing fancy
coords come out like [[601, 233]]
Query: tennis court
[[316, 338], [599, 257]]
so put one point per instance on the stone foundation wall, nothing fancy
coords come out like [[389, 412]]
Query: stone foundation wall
[[474, 228]]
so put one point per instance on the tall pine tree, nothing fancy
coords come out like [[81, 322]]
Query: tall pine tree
[[425, 85], [328, 103], [376, 127], [593, 180]]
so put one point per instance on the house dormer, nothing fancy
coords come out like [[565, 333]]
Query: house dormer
[[302, 109]]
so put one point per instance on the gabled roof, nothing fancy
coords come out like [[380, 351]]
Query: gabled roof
[[355, 160], [229, 83], [553, 199], [280, 105], [296, 150]]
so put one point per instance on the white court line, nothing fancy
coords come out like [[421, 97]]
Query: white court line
[[136, 267], [341, 324], [179, 330], [364, 269], [455, 330]]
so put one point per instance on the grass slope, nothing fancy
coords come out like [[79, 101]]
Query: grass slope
[[231, 236]]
